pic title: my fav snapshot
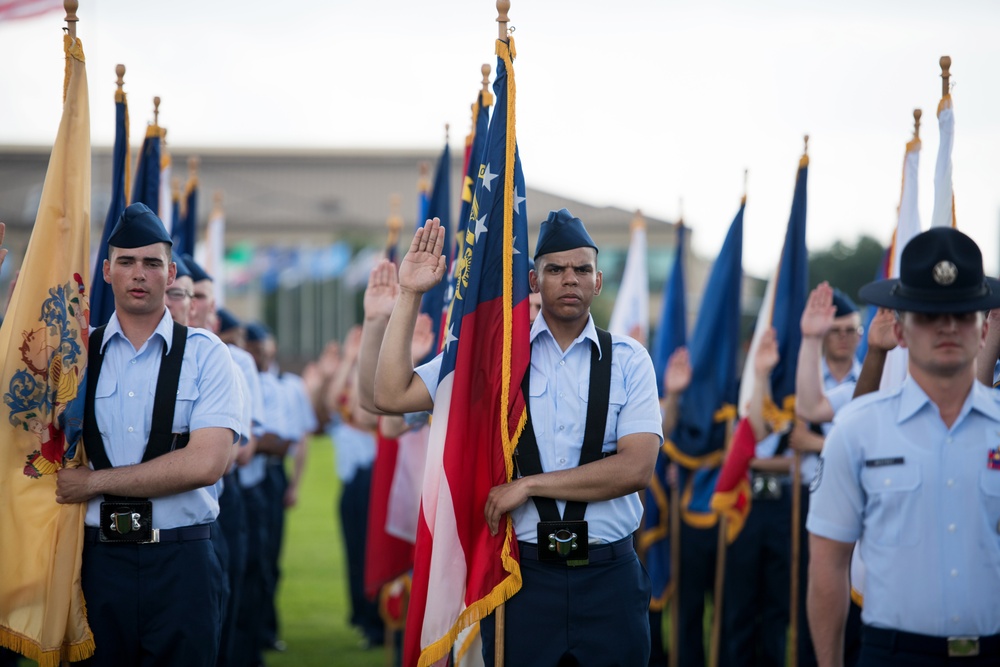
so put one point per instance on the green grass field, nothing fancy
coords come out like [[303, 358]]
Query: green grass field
[[312, 596]]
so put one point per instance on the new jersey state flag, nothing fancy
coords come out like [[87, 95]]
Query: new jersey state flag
[[461, 573], [42, 381]]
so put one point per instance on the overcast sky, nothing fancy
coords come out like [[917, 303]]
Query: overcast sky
[[637, 104]]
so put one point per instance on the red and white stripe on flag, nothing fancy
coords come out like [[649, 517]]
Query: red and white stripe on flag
[[22, 9]]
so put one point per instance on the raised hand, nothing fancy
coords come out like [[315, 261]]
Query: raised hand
[[423, 266], [767, 354], [382, 290], [678, 374], [352, 345], [818, 315], [881, 334]]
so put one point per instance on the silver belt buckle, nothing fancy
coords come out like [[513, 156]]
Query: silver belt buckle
[[154, 538], [963, 647]]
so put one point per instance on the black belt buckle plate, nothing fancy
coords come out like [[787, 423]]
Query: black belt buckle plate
[[127, 521], [563, 542], [963, 647]]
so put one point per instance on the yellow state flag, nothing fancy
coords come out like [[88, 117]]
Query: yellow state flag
[[43, 360]]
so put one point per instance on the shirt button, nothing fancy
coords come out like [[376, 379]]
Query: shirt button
[[888, 482], [131, 394], [562, 362], [955, 618], [132, 362], [129, 429], [948, 440], [562, 460], [951, 482], [561, 395], [954, 573], [561, 428], [951, 528]]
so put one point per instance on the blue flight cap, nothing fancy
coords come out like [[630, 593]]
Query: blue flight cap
[[227, 320], [257, 332], [561, 231], [138, 227], [197, 273], [843, 303], [182, 267]]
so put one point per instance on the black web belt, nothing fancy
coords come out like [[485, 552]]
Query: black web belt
[[123, 518], [566, 536]]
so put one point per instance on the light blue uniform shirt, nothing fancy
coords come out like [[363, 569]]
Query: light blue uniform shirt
[[252, 473], [123, 404], [925, 505], [301, 416], [559, 389], [354, 449]]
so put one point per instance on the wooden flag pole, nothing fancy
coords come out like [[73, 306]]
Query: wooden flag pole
[[71, 18], [793, 596], [720, 572], [156, 110], [675, 571], [945, 63]]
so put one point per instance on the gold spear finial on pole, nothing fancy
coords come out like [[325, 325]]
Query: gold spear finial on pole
[[120, 71], [746, 177], [217, 202], [680, 210], [805, 140], [502, 7], [447, 132], [193, 163], [71, 18], [945, 63], [485, 69], [638, 222], [156, 110], [424, 180], [917, 113]]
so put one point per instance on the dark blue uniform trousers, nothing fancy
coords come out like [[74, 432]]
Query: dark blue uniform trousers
[[354, 501], [756, 600], [232, 522], [250, 617], [275, 484], [594, 615], [695, 581], [153, 604]]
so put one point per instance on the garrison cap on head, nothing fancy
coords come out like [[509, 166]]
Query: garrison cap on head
[[561, 231], [227, 320], [182, 267], [843, 303], [138, 227], [940, 271], [197, 273], [257, 332]]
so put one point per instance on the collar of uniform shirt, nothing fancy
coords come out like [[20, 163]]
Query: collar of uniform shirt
[[589, 331], [913, 399], [165, 329]]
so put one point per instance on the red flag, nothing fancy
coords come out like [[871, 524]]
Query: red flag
[[386, 556], [732, 489]]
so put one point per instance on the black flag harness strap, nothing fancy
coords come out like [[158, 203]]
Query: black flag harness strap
[[564, 539]]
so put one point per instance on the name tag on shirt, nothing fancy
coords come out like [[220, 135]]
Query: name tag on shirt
[[879, 463]]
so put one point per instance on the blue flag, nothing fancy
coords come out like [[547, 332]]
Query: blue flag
[[475, 146], [146, 188], [439, 206], [102, 300], [670, 334], [186, 227], [708, 405], [790, 293]]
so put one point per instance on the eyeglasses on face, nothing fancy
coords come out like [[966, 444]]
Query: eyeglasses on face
[[176, 294]]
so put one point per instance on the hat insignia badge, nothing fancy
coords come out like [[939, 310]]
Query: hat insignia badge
[[945, 273]]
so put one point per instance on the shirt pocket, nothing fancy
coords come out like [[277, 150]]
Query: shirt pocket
[[187, 395], [616, 401], [989, 494], [104, 396], [892, 511]]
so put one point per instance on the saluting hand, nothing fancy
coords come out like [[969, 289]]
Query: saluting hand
[[818, 315], [881, 334], [383, 288], [423, 266], [767, 354], [503, 499], [678, 376]]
